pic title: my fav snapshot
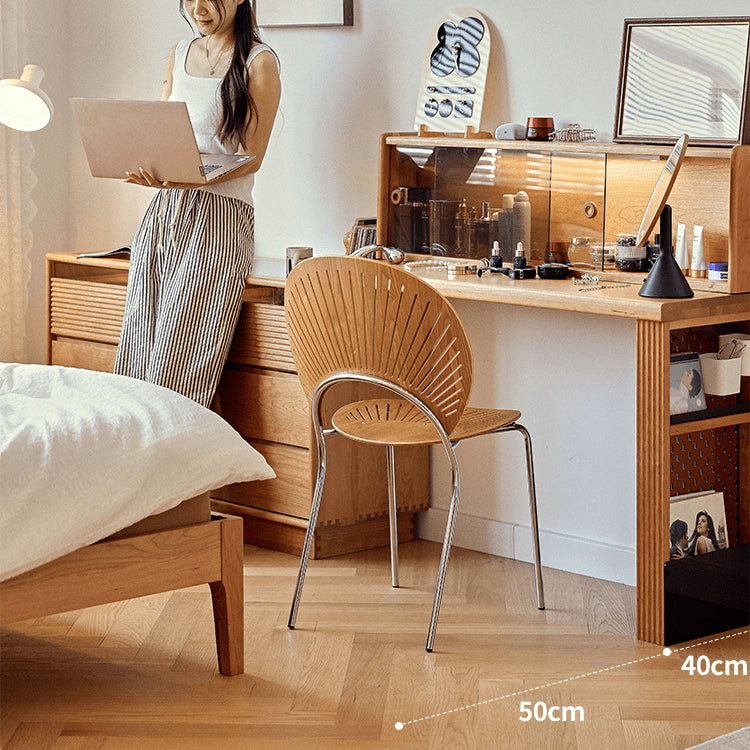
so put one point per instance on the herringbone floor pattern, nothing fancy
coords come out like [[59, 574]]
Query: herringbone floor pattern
[[142, 675]]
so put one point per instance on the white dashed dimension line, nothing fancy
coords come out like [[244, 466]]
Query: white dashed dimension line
[[399, 725]]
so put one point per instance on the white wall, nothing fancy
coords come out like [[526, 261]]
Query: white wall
[[342, 89]]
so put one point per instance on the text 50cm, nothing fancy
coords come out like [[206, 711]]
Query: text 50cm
[[540, 711]]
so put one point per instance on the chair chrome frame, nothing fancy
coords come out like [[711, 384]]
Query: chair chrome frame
[[320, 434]]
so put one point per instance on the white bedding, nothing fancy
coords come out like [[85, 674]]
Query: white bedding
[[85, 454]]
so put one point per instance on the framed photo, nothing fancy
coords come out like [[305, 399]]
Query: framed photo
[[304, 12], [684, 75], [685, 384], [697, 524]]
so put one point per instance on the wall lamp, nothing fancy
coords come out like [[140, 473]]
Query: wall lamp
[[23, 105]]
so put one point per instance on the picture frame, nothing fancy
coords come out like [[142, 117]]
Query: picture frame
[[666, 62], [285, 13], [686, 392], [686, 526]]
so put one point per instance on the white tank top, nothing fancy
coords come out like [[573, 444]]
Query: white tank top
[[203, 99]]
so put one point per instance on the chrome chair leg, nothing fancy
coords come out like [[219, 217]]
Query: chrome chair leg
[[392, 517], [310, 535], [534, 521], [447, 542]]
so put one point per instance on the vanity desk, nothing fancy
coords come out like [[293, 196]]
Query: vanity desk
[[600, 190]]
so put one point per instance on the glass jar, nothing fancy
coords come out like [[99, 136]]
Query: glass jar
[[579, 250], [628, 256], [556, 252], [603, 256]]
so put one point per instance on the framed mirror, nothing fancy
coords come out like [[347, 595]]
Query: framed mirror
[[684, 75], [270, 13]]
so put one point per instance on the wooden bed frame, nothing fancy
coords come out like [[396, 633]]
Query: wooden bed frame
[[125, 568]]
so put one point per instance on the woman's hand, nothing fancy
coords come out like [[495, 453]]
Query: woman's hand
[[142, 177]]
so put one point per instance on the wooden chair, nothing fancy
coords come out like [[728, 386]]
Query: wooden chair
[[353, 319]]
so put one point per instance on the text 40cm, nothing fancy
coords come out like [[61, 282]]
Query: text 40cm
[[703, 666], [540, 711]]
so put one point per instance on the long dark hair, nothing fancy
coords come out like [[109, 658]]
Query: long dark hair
[[238, 107], [693, 541]]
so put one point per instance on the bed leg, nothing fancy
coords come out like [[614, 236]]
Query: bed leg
[[228, 600]]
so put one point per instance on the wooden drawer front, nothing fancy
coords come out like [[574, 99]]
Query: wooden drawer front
[[86, 309], [265, 405], [290, 493], [88, 355], [261, 338]]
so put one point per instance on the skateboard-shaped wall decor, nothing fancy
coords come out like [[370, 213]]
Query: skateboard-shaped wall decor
[[454, 74]]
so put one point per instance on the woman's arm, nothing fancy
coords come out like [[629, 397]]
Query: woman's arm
[[265, 89], [166, 88]]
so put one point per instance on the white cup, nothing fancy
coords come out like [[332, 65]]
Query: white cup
[[295, 255], [721, 377]]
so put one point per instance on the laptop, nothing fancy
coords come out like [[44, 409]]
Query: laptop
[[121, 135]]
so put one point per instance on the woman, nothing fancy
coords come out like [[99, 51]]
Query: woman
[[195, 244], [703, 538]]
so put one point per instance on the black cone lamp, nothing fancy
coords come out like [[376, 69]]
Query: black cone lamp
[[665, 279]]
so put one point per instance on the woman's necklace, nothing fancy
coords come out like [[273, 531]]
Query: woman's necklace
[[212, 68]]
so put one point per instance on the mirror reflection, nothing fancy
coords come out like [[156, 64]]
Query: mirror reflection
[[684, 76]]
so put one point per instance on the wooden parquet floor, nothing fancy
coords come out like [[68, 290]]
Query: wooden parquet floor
[[142, 675]]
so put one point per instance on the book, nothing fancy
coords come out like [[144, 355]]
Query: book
[[105, 253], [685, 384], [697, 524]]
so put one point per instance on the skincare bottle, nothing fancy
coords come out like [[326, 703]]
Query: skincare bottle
[[519, 260], [496, 259], [461, 217], [522, 220], [698, 261], [681, 249], [470, 232], [483, 231], [505, 227]]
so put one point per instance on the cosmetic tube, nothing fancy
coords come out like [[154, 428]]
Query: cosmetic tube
[[522, 220], [681, 249], [698, 261]]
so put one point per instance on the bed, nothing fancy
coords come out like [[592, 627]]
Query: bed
[[104, 496]]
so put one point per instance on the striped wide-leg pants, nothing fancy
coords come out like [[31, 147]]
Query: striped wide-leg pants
[[188, 264]]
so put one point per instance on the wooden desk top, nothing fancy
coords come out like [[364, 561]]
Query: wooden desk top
[[618, 301], [714, 307]]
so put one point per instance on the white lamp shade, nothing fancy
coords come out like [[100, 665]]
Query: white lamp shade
[[23, 105]]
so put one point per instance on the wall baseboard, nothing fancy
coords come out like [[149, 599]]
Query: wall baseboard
[[562, 552]]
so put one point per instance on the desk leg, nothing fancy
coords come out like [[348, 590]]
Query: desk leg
[[652, 483]]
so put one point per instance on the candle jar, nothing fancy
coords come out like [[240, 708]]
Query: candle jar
[[540, 128]]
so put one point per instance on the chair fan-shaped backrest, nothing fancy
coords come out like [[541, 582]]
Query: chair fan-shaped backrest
[[359, 316]]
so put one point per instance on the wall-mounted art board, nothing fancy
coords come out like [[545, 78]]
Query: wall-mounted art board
[[455, 73], [304, 12]]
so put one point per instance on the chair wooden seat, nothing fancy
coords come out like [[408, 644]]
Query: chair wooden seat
[[395, 421], [352, 320]]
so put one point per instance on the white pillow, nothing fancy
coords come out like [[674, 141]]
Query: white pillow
[[84, 454]]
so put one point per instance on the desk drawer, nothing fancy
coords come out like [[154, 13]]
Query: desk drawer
[[86, 309], [89, 355], [261, 339], [290, 493], [265, 405]]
